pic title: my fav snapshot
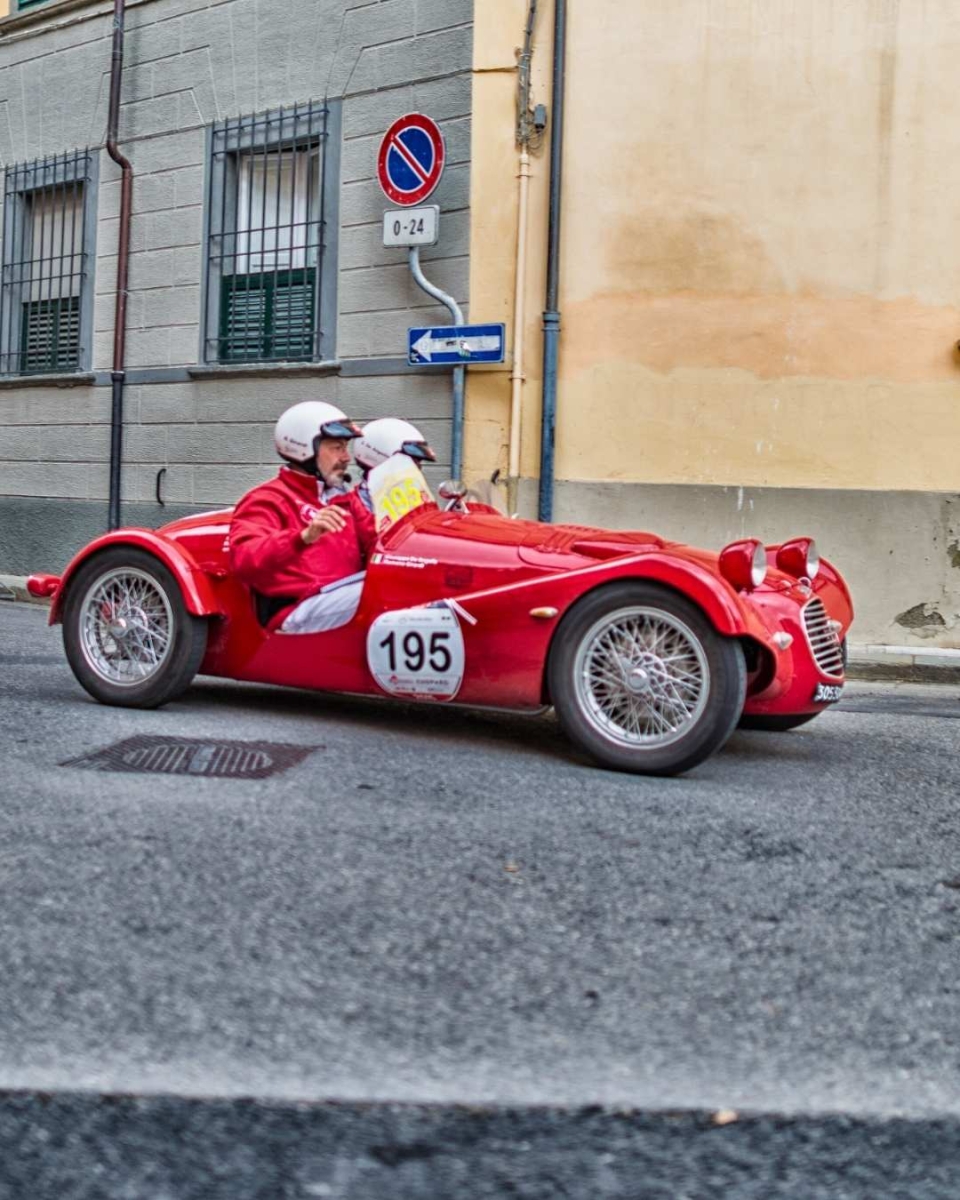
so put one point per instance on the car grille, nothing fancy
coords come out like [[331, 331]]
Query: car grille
[[823, 641]]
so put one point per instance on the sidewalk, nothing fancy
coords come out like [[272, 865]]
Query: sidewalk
[[899, 664], [904, 664]]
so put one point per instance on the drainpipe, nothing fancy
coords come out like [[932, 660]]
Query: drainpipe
[[551, 316], [118, 373], [524, 136], [519, 315]]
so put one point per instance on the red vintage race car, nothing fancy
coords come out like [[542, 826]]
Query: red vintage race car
[[650, 651]]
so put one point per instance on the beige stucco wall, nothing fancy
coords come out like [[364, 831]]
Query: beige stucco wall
[[761, 275], [761, 272]]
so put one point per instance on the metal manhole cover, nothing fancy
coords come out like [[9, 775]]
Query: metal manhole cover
[[146, 754]]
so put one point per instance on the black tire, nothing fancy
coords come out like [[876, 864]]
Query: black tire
[[606, 667], [128, 636], [775, 722]]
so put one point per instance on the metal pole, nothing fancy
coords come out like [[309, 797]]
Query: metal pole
[[551, 316], [517, 379], [118, 374], [459, 372]]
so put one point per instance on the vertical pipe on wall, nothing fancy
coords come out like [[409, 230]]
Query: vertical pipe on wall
[[551, 316], [118, 373], [519, 317], [524, 134]]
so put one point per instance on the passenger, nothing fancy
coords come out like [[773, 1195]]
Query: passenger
[[382, 438], [301, 540]]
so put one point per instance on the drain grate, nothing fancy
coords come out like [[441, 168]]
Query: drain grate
[[146, 754]]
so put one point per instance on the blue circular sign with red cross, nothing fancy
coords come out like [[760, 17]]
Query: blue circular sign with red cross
[[410, 161]]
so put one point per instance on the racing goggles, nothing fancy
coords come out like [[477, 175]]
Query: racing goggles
[[339, 429], [418, 451]]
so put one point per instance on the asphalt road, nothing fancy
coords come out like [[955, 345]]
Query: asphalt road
[[439, 908]]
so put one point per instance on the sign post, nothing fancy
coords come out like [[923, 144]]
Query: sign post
[[409, 165]]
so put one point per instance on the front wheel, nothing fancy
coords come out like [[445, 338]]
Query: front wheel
[[126, 630], [641, 680]]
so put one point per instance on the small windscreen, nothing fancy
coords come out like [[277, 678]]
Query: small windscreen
[[397, 487]]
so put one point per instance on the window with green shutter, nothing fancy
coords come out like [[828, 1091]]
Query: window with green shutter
[[267, 316], [46, 301], [50, 335], [267, 212]]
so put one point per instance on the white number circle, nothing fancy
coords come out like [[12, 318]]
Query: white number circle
[[417, 652]]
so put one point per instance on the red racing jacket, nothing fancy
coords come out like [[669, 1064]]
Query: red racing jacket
[[266, 550]]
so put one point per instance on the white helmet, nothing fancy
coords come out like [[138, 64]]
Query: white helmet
[[300, 429], [389, 435]]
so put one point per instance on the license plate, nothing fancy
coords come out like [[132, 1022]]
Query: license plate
[[827, 693]]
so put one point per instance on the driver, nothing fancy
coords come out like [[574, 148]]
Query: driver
[[301, 540]]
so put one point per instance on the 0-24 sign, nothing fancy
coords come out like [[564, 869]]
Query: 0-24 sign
[[411, 226]]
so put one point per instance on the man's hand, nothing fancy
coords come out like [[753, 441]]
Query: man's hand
[[327, 520]]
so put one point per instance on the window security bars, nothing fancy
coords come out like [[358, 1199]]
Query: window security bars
[[265, 241], [46, 260]]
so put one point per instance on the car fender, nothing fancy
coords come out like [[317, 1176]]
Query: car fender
[[195, 584], [730, 614], [727, 611]]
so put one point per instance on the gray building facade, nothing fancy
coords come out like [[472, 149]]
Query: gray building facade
[[257, 273]]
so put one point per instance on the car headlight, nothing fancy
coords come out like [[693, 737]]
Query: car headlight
[[799, 558], [744, 564]]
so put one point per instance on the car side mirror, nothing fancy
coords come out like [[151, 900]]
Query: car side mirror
[[453, 492]]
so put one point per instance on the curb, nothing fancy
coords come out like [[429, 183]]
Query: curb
[[896, 664], [904, 664]]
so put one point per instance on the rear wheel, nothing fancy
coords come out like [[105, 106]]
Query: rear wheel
[[126, 630], [641, 680]]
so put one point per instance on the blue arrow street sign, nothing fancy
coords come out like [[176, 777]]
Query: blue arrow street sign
[[444, 345]]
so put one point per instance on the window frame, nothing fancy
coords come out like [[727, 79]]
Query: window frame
[[21, 181], [287, 128]]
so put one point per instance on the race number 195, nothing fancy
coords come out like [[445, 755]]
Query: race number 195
[[413, 652], [417, 652]]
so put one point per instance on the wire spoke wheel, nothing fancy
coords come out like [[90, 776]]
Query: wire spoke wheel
[[642, 681], [126, 628], [642, 676], [128, 635]]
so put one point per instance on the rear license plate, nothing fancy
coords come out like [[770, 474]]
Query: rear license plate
[[827, 693]]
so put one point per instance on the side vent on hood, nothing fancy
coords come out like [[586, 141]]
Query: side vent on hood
[[615, 545]]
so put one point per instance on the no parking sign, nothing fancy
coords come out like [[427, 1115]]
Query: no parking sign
[[411, 159]]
